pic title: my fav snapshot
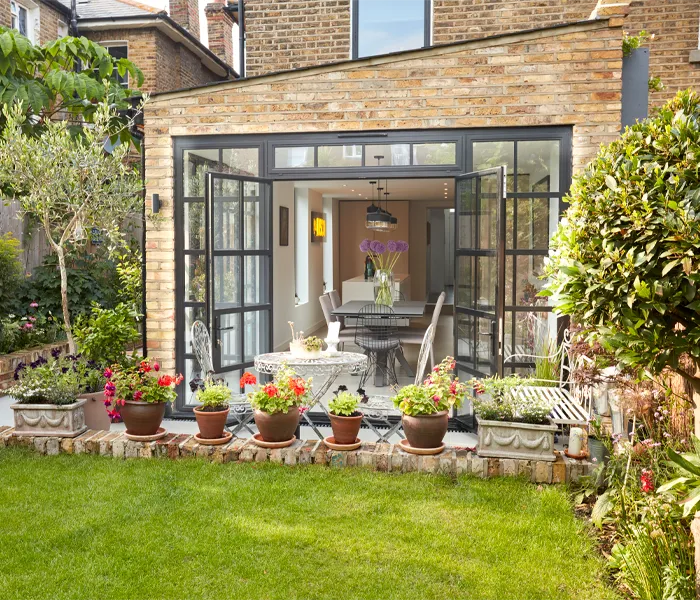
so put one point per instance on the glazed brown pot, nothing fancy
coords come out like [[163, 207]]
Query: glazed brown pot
[[425, 431], [345, 429], [278, 427], [211, 423], [143, 418], [96, 416]]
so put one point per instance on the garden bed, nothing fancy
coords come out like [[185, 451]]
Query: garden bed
[[9, 362]]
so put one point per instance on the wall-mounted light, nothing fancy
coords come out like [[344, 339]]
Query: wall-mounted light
[[155, 203]]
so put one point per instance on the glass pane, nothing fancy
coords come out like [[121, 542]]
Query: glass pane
[[227, 277], [494, 154], [255, 286], [466, 224], [340, 156], [226, 214], [192, 371], [294, 157], [241, 161], [485, 344], [393, 155], [255, 217], [537, 221], [383, 27], [256, 333], [510, 221], [435, 154], [192, 314], [195, 278], [194, 225], [538, 166], [534, 331], [465, 337], [488, 212], [508, 340], [195, 164], [510, 279], [486, 282], [229, 336], [465, 284], [528, 282]]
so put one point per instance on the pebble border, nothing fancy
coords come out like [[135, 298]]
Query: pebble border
[[454, 460]]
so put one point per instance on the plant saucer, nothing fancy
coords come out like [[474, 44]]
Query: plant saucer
[[330, 442], [215, 441], [406, 447], [161, 433], [257, 439]]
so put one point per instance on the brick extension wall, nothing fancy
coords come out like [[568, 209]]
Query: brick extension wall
[[566, 76]]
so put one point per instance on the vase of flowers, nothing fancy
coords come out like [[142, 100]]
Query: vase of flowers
[[138, 394], [425, 408], [304, 347], [277, 405], [384, 258]]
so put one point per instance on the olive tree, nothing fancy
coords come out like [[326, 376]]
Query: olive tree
[[69, 184], [625, 260]]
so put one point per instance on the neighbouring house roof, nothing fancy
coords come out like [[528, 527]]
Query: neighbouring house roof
[[101, 15]]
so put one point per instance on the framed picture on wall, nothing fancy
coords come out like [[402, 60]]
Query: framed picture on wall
[[284, 226]]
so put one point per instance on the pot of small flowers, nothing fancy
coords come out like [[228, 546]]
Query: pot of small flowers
[[212, 414], [512, 425], [304, 347], [277, 407], [47, 399], [139, 395], [345, 421], [425, 409]]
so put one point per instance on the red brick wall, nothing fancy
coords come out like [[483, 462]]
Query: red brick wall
[[49, 19], [220, 30], [186, 13]]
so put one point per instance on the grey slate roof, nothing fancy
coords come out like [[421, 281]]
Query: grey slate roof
[[104, 9]]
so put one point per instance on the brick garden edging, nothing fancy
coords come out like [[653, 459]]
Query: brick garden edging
[[9, 362], [454, 460]]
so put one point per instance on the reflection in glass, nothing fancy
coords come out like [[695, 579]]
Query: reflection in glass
[[538, 166], [485, 344], [294, 157], [195, 164], [340, 156], [533, 331], [464, 291], [435, 154], [486, 283], [256, 325], [227, 223], [487, 155], [194, 225], [241, 161], [227, 277], [466, 218], [195, 278], [394, 154], [488, 212], [465, 337], [192, 314], [537, 221], [255, 218], [256, 278], [383, 27], [528, 281], [229, 337]]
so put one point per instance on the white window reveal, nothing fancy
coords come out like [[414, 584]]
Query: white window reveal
[[24, 17]]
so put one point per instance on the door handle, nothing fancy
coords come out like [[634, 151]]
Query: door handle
[[489, 333]]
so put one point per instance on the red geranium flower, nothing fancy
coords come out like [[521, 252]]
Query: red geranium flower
[[248, 379], [145, 367], [297, 386], [271, 390], [156, 367], [165, 380], [137, 395]]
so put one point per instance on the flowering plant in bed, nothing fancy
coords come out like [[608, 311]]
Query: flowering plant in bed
[[425, 407], [139, 394], [345, 418], [212, 414], [278, 404], [384, 257]]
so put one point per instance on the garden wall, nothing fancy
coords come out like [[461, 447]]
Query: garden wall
[[454, 460], [9, 362]]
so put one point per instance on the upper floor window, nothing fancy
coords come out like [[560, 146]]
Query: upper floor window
[[118, 50], [20, 20], [383, 26]]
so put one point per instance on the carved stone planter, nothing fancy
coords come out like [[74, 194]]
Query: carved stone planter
[[524, 441], [65, 420]]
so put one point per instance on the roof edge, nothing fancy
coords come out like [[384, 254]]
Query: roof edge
[[390, 57]]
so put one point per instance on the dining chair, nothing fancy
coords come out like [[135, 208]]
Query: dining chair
[[345, 335], [377, 335], [415, 336], [336, 302]]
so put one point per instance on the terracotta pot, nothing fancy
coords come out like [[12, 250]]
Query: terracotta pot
[[96, 416], [278, 427], [425, 431], [143, 418], [345, 429], [211, 423]]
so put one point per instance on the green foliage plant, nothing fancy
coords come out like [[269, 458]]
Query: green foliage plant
[[495, 401], [439, 391], [214, 397], [625, 260], [286, 391], [687, 482], [631, 42], [105, 334], [36, 328], [69, 184], [344, 404], [10, 269]]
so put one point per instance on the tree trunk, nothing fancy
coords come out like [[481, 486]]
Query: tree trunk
[[64, 298]]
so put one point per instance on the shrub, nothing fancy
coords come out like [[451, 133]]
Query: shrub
[[344, 404], [10, 269], [35, 328], [214, 397], [104, 335]]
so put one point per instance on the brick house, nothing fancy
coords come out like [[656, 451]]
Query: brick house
[[520, 93]]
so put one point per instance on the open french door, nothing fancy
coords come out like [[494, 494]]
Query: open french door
[[480, 234], [238, 268]]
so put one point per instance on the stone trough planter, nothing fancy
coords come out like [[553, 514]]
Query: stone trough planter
[[500, 439], [65, 420]]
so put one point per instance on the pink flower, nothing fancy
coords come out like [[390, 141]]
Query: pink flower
[[156, 367], [34, 304], [32, 319], [28, 325], [108, 373], [138, 394], [436, 398]]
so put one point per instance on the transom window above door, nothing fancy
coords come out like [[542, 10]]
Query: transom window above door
[[384, 26]]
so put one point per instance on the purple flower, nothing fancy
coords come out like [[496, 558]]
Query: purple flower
[[402, 246], [34, 304], [377, 246], [56, 352], [365, 245], [392, 246]]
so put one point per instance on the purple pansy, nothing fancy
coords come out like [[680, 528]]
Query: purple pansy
[[365, 245], [392, 246], [377, 247]]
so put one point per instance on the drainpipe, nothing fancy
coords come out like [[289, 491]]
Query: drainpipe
[[74, 18], [241, 37]]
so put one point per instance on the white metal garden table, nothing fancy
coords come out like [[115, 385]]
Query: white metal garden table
[[324, 371]]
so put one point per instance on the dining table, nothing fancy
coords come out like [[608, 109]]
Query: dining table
[[402, 309]]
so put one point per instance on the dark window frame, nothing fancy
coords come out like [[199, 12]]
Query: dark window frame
[[355, 26]]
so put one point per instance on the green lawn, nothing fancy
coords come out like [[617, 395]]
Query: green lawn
[[91, 527]]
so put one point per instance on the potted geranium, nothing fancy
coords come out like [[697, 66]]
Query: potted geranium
[[345, 418], [277, 406], [425, 408], [212, 414], [512, 425], [138, 394], [47, 399]]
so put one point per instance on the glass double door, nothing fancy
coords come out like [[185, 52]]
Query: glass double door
[[238, 251], [480, 227]]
